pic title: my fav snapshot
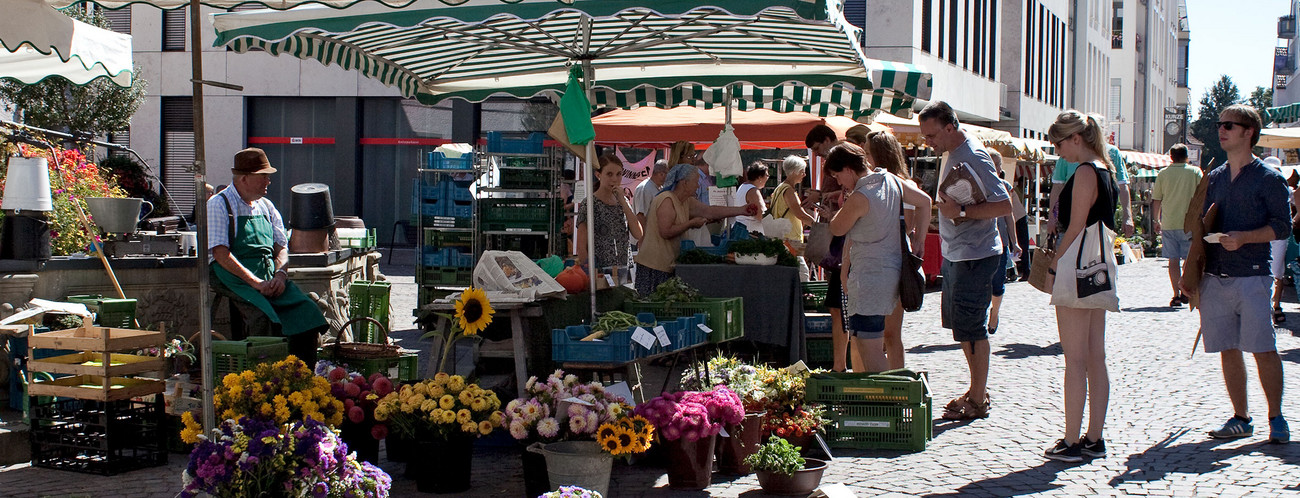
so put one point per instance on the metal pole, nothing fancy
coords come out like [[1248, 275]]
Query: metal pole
[[201, 217], [590, 172]]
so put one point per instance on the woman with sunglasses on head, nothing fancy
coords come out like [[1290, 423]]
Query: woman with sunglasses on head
[[1090, 196], [872, 262]]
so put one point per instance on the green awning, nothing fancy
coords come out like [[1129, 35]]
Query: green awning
[[1283, 114]]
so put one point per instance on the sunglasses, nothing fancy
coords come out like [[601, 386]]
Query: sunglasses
[[1227, 125]]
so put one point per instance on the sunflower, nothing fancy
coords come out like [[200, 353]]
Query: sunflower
[[607, 430], [625, 438], [610, 444], [473, 312]]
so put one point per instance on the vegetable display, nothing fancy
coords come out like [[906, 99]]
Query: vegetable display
[[767, 247], [675, 290], [611, 321]]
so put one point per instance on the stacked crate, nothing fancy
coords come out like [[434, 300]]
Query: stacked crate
[[447, 207], [817, 326], [108, 417], [890, 410]]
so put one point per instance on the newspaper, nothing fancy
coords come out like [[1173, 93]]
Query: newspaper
[[963, 186]]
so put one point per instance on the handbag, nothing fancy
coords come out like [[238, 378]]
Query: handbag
[[911, 278], [1093, 285], [1040, 265], [819, 244]]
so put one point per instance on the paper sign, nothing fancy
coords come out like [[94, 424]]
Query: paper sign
[[705, 328], [609, 279], [723, 432], [643, 337], [577, 401], [622, 391], [663, 336], [1213, 238]]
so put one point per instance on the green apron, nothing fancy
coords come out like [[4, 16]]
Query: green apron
[[252, 246]]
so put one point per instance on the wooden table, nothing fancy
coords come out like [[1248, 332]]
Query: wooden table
[[518, 335]]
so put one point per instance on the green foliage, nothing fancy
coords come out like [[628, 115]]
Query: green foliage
[[699, 257], [767, 247], [1261, 98], [1223, 94], [777, 455], [132, 177], [55, 103], [674, 290]]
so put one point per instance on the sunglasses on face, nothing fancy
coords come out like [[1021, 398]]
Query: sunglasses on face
[[1227, 125]]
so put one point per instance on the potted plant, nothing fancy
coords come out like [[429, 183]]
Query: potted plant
[[799, 426], [747, 381], [687, 423], [360, 395], [587, 463], [543, 416], [258, 457], [781, 471], [443, 415], [279, 392], [571, 492]]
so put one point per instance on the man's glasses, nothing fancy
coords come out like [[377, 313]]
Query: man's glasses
[[1227, 125]]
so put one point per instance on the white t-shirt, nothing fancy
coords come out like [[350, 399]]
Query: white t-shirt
[[644, 195], [754, 223]]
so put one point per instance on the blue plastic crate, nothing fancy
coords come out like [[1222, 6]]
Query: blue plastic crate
[[436, 160], [498, 144], [817, 323], [431, 209], [567, 346], [455, 192], [460, 209]]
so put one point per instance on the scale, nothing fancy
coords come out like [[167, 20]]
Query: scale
[[119, 219]]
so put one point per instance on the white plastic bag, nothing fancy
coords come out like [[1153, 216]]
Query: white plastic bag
[[511, 271], [724, 155]]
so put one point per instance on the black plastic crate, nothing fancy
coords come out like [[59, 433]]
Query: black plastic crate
[[96, 437]]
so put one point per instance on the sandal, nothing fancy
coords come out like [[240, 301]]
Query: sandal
[[961, 408], [1278, 315]]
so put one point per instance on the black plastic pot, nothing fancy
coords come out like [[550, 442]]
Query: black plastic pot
[[801, 483], [310, 207], [25, 237]]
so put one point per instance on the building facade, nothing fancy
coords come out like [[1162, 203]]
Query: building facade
[[1144, 66]]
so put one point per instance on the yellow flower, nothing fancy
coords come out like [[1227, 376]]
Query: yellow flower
[[455, 383], [469, 427], [463, 416], [420, 388], [381, 413], [440, 378], [478, 404], [496, 418], [190, 434], [485, 427], [465, 397], [448, 416], [473, 311], [436, 391], [267, 410], [436, 415], [447, 402]]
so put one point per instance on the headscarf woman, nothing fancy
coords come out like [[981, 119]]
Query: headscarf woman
[[872, 262], [674, 211], [615, 221]]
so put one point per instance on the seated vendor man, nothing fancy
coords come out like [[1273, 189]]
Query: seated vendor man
[[246, 239]]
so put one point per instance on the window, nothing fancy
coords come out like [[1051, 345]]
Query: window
[[122, 138], [978, 26], [952, 31], [965, 35], [174, 29], [178, 151], [1029, 48], [927, 10], [943, 31], [1116, 84], [119, 20], [993, 40]]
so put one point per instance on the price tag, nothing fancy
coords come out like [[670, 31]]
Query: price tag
[[643, 337], [705, 328], [609, 279], [663, 336]]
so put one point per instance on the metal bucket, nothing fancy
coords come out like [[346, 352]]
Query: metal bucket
[[310, 207], [25, 236], [115, 215], [576, 463]]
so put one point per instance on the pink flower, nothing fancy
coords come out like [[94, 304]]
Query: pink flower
[[352, 390], [338, 374], [356, 414]]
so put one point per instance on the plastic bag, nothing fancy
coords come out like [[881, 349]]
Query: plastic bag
[[724, 155]]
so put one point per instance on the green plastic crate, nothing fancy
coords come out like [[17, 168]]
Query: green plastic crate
[[726, 314], [814, 296], [832, 387], [821, 351], [447, 275], [525, 178], [236, 356], [109, 312], [453, 239], [516, 214], [880, 426], [368, 299], [400, 368]]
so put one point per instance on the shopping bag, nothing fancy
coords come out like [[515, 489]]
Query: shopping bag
[[1039, 265], [1085, 273]]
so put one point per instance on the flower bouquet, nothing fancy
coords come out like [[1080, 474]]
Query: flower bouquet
[[473, 314], [443, 415], [798, 425], [571, 492], [256, 457], [626, 436], [687, 422], [757, 388], [360, 396], [281, 392], [543, 416]]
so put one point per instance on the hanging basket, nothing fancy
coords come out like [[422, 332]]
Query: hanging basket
[[363, 350]]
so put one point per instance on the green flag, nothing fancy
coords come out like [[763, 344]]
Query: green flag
[[576, 110]]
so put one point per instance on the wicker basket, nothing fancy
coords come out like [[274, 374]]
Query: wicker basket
[[364, 350]]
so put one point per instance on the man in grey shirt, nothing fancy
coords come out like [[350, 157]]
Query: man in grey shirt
[[972, 251], [647, 190]]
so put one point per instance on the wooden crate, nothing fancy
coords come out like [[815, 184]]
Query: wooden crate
[[94, 387], [92, 363], [97, 339]]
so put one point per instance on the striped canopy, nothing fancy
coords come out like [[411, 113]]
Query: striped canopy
[[37, 42], [783, 55], [227, 4], [1284, 114], [1146, 160]]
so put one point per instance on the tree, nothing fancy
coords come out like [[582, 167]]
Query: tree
[[1261, 99], [55, 103], [1206, 128]]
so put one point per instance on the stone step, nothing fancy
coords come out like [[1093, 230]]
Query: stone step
[[15, 444]]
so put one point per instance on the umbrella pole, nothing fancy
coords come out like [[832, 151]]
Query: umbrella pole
[[590, 172], [201, 217]]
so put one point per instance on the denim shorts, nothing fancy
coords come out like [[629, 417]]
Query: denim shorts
[[966, 296], [1174, 244], [998, 284], [866, 326], [1236, 313]]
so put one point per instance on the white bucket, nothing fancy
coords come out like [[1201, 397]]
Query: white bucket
[[27, 185]]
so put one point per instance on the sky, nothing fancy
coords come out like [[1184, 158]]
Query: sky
[[1235, 38]]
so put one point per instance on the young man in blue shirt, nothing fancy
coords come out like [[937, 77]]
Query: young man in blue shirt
[[1252, 203]]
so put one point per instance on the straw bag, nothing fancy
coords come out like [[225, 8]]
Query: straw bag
[[1040, 265]]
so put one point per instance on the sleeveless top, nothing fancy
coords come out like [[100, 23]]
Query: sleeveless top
[[753, 223], [781, 210], [876, 262], [611, 232], [1103, 209], [655, 251]]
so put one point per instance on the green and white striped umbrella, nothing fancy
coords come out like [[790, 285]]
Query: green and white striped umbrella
[[1283, 114], [784, 55]]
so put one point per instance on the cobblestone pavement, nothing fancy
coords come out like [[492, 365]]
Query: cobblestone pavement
[[1161, 404]]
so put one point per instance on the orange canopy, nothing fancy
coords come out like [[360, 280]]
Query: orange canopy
[[651, 127]]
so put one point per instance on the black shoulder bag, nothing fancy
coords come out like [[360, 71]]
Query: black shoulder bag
[[911, 278]]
